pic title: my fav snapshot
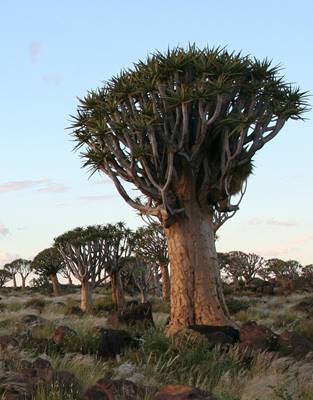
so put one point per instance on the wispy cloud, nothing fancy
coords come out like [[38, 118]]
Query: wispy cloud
[[96, 198], [53, 187], [53, 79], [273, 222], [45, 186], [34, 51], [4, 231], [291, 246]]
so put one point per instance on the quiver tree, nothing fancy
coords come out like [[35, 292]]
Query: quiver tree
[[142, 276], [151, 245], [284, 271], [12, 269], [84, 253], [23, 268], [49, 263], [5, 277], [182, 128], [120, 243]]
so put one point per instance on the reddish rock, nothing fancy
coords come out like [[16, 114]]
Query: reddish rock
[[181, 392], [257, 337], [292, 343], [106, 389], [68, 381], [8, 343], [61, 333], [218, 334]]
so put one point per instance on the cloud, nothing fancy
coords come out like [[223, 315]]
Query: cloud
[[273, 222], [291, 246], [53, 187], [53, 79], [96, 198], [4, 231], [34, 51], [49, 186]]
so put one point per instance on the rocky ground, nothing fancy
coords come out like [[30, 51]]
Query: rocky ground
[[49, 350]]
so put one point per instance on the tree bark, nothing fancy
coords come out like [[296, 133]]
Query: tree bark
[[14, 282], [70, 282], [55, 285], [196, 288], [23, 281], [117, 290], [143, 296], [165, 283], [86, 303]]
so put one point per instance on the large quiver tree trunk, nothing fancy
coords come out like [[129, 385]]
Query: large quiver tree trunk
[[117, 290], [196, 290], [55, 285], [165, 283], [86, 303]]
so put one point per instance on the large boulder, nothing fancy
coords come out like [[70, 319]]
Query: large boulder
[[294, 344], [112, 342], [134, 314], [257, 337], [181, 392]]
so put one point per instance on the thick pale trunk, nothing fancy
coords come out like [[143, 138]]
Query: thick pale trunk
[[117, 290], [86, 303], [70, 282], [165, 283], [23, 281], [55, 285], [196, 289], [14, 282]]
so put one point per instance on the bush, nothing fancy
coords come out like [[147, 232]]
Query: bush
[[236, 305], [103, 304]]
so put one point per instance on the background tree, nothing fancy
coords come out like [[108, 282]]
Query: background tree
[[151, 245], [49, 263], [282, 270], [120, 243], [307, 273], [84, 253], [182, 128], [12, 269], [5, 277], [142, 275], [23, 268], [66, 273]]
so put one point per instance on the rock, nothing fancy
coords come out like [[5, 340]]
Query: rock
[[67, 381], [106, 389], [61, 333], [257, 337], [32, 320], [133, 315], [218, 334], [39, 371], [181, 392], [8, 343], [294, 344], [113, 342]]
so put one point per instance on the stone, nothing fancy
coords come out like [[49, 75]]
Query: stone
[[218, 334], [121, 389], [182, 392], [112, 342], [133, 315], [32, 320], [8, 343], [68, 381], [294, 344], [257, 337], [61, 333]]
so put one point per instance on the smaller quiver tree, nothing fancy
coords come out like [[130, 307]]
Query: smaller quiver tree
[[23, 268], [49, 263], [151, 245], [12, 269], [84, 253], [120, 243], [142, 275], [5, 277]]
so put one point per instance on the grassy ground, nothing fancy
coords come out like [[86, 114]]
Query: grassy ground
[[161, 360]]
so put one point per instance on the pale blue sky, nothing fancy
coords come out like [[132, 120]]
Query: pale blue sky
[[53, 51]]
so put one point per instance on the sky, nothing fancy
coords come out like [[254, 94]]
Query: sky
[[55, 51]]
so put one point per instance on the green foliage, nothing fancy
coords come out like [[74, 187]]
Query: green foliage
[[103, 304], [235, 305], [48, 262]]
